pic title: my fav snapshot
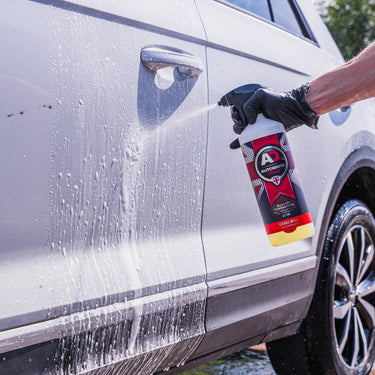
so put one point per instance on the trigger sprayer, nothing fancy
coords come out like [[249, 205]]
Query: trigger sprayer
[[272, 172]]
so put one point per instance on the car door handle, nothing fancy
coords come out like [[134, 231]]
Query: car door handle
[[159, 57], [340, 115]]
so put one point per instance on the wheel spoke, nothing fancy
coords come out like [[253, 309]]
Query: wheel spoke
[[356, 346], [342, 277], [341, 308], [365, 263], [350, 247], [367, 312], [361, 253], [345, 334], [367, 286], [362, 333]]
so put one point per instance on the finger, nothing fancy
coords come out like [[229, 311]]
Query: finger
[[251, 114], [238, 127], [253, 106], [235, 144], [235, 114]]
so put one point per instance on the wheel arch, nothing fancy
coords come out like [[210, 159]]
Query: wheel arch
[[355, 180], [359, 185]]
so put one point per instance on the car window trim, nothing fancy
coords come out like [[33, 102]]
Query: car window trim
[[243, 10], [306, 29], [297, 11]]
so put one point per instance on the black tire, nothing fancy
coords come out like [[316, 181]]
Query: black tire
[[337, 337]]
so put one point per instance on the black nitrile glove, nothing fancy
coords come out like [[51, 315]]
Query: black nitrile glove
[[290, 108]]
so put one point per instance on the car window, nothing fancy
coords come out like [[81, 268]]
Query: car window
[[284, 13], [285, 16], [258, 7]]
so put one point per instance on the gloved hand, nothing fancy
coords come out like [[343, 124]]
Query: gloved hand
[[289, 108]]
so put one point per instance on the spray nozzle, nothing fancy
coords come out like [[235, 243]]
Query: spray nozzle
[[236, 98], [239, 95]]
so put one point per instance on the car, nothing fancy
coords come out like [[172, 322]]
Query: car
[[131, 240]]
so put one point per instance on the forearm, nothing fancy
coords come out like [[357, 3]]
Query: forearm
[[344, 85]]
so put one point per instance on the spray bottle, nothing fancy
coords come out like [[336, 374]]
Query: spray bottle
[[273, 173]]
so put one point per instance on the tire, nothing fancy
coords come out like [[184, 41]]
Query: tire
[[337, 337]]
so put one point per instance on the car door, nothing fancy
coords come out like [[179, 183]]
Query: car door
[[102, 157], [249, 44]]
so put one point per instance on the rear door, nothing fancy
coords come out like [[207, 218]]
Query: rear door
[[249, 44]]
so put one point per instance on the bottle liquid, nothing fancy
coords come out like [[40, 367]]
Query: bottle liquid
[[276, 182]]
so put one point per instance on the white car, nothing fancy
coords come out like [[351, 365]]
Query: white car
[[130, 238]]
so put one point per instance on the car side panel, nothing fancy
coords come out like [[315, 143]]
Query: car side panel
[[233, 233], [251, 50], [104, 172]]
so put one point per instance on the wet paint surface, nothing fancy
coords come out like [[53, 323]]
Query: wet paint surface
[[103, 198], [246, 362]]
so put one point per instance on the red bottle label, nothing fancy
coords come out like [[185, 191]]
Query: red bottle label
[[276, 183]]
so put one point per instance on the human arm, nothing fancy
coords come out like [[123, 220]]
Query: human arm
[[349, 83]]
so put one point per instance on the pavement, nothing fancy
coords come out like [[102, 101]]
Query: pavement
[[262, 347]]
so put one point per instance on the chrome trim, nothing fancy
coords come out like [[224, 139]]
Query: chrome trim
[[296, 10], [17, 338], [243, 280], [83, 321], [159, 57]]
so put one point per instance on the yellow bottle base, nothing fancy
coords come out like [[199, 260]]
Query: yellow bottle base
[[301, 232]]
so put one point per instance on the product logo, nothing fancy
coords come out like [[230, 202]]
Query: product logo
[[271, 164]]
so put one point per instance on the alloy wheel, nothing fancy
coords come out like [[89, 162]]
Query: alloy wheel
[[354, 293]]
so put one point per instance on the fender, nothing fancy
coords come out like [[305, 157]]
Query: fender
[[360, 163]]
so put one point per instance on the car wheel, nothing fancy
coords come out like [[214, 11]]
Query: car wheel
[[337, 337]]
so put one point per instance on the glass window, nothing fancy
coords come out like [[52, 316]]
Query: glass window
[[258, 7], [285, 16]]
